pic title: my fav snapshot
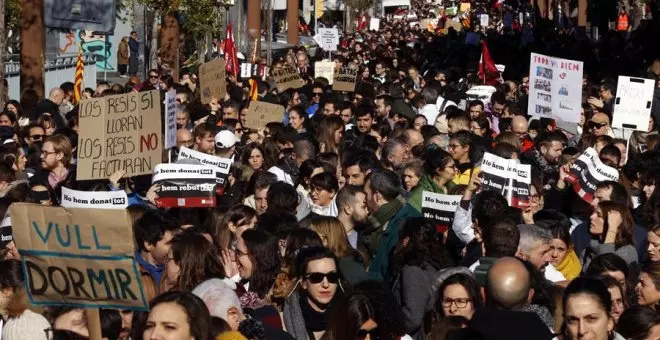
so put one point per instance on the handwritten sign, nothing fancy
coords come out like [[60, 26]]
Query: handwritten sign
[[78, 257], [213, 80], [121, 132], [345, 79], [185, 185], [94, 199], [287, 78], [262, 113], [170, 119], [327, 38], [632, 107], [555, 88], [440, 208], [325, 69], [587, 171], [219, 164]]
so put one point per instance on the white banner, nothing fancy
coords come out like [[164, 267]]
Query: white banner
[[219, 164], [632, 106], [508, 177], [439, 207], [94, 199], [555, 88], [170, 119], [587, 171]]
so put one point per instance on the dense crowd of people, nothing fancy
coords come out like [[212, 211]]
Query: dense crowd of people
[[319, 232]]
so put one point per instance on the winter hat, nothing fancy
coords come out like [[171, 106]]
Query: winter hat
[[28, 326]]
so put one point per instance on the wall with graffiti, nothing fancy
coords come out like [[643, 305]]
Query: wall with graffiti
[[104, 49]]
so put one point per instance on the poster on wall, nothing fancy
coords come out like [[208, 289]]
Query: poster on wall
[[555, 88]]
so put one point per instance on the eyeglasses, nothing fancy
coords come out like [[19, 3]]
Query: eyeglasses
[[315, 94], [460, 302], [36, 137], [595, 125], [362, 334], [153, 76], [316, 278], [454, 146], [47, 153]]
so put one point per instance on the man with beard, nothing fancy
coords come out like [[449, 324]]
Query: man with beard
[[352, 205], [395, 154], [545, 156]]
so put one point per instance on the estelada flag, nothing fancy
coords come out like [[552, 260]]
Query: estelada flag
[[230, 53], [78, 79], [487, 70]]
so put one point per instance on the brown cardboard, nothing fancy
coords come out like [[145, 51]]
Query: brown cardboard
[[78, 257], [121, 132], [345, 79], [262, 113], [287, 78], [213, 80]]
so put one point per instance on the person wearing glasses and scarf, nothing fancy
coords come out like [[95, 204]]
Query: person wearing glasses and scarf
[[317, 292]]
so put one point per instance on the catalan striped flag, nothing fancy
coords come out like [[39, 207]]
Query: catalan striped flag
[[80, 72]]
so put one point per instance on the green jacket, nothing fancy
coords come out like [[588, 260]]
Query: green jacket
[[426, 183]]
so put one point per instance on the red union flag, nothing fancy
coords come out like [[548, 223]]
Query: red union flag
[[230, 53]]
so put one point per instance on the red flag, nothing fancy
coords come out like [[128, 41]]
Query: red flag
[[487, 70], [78, 79], [230, 53]]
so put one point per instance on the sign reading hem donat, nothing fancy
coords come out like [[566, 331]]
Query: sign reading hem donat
[[78, 257], [121, 132]]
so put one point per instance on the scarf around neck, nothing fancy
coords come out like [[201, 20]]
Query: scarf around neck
[[315, 321], [543, 164], [386, 212], [570, 266]]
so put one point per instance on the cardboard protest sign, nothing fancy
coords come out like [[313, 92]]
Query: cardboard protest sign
[[219, 164], [587, 171], [170, 119], [508, 177], [632, 106], [440, 208], [185, 185], [325, 69], [213, 80], [287, 78], [555, 88], [262, 113], [428, 24], [345, 79], [465, 6], [94, 199], [121, 132], [78, 257]]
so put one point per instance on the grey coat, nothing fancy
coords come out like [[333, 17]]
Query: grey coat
[[413, 288], [628, 252]]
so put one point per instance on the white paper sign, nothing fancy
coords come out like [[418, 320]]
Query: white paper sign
[[508, 177], [246, 70], [555, 88], [439, 207], [587, 171], [328, 38], [632, 106], [481, 92], [325, 69], [483, 20], [374, 24], [94, 199], [170, 119]]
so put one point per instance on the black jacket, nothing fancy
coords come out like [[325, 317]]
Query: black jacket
[[41, 178]]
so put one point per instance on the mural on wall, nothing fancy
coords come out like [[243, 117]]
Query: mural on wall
[[95, 44]]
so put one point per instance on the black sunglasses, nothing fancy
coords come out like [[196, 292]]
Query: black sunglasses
[[36, 137], [594, 125], [362, 334], [333, 277]]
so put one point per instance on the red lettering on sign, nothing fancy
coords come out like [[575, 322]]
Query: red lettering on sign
[[148, 142]]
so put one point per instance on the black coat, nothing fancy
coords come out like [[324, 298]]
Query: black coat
[[41, 178]]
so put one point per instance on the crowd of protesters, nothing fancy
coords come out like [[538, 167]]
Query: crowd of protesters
[[319, 233]]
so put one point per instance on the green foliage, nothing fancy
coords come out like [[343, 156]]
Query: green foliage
[[200, 17], [12, 14], [359, 6]]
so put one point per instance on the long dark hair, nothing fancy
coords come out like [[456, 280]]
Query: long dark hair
[[262, 248], [220, 227], [197, 259], [198, 316], [624, 234], [346, 320], [420, 245], [467, 282]]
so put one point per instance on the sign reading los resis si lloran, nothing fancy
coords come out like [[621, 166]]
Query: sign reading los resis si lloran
[[121, 132]]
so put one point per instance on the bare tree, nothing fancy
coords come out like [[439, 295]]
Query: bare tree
[[3, 52]]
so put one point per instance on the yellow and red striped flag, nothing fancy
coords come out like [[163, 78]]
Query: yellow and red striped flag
[[80, 72]]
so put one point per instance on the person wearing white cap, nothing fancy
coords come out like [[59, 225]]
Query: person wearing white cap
[[225, 144]]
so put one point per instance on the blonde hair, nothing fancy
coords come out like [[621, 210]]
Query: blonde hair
[[333, 231], [61, 144]]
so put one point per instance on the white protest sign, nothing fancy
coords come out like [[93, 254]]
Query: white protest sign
[[632, 106], [170, 119], [219, 164], [483, 20], [587, 171], [94, 199], [246, 70], [481, 92], [555, 88], [328, 38], [325, 69], [185, 185], [374, 24], [508, 177], [439, 207]]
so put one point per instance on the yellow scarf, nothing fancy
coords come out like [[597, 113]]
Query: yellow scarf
[[570, 266]]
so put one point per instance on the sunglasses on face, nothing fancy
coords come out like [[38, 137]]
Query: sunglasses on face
[[595, 125], [316, 278], [362, 334], [153, 76], [37, 137]]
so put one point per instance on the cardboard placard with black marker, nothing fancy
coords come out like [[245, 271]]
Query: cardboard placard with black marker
[[185, 185], [219, 164], [587, 171], [440, 208], [345, 79], [287, 78], [632, 106]]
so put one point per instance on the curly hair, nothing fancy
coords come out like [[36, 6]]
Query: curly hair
[[262, 248]]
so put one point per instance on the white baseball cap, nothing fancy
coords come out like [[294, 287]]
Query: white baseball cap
[[225, 139]]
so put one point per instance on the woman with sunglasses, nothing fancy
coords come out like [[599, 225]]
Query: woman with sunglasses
[[318, 290], [354, 319]]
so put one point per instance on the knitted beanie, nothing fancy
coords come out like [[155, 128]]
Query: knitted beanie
[[231, 335], [28, 326]]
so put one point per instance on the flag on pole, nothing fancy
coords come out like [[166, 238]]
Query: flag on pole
[[230, 53], [78, 79], [487, 70]]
